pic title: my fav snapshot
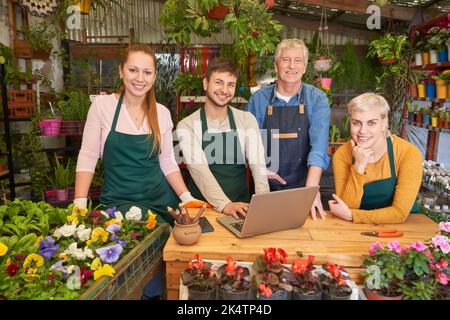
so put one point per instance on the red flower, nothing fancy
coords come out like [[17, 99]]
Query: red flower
[[231, 266], [265, 290], [197, 263], [12, 269], [51, 276], [283, 255], [270, 3], [86, 274]]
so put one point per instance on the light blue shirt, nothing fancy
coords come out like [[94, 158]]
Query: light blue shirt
[[318, 109]]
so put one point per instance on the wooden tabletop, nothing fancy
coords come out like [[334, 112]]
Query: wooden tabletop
[[332, 240]]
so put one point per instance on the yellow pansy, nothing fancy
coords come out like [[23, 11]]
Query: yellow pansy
[[151, 220], [38, 240], [105, 270], [3, 249], [115, 221], [33, 258], [73, 218], [446, 71], [82, 212], [99, 233], [96, 264]]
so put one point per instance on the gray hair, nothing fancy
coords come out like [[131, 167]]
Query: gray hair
[[369, 101], [292, 44]]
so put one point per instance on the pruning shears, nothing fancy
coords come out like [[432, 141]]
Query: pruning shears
[[388, 233]]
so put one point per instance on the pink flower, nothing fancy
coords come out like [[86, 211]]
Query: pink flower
[[373, 247], [443, 279], [393, 246], [442, 242], [444, 226], [270, 3], [418, 246], [442, 264]]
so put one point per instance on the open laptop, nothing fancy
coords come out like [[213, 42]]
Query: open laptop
[[273, 211]]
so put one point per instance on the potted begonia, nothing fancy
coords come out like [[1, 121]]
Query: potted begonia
[[334, 285], [201, 280], [234, 281], [307, 283]]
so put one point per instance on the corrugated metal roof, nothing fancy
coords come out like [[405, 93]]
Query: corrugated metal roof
[[142, 15]]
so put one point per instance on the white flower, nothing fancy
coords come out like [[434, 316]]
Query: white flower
[[75, 252], [135, 213], [88, 252], [119, 215], [67, 230], [83, 233]]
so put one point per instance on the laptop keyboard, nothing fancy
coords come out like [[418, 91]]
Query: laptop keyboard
[[238, 225]]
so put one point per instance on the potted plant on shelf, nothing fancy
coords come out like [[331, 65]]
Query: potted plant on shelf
[[272, 278], [39, 38], [384, 272], [307, 283], [234, 281], [74, 107], [200, 279], [63, 177], [437, 39], [334, 286]]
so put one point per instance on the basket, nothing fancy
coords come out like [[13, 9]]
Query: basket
[[133, 271], [21, 103]]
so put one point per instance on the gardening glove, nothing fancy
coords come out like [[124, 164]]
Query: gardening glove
[[81, 203], [190, 202]]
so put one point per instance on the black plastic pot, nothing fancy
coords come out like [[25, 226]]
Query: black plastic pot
[[301, 296], [202, 295], [234, 295], [327, 296], [277, 295]]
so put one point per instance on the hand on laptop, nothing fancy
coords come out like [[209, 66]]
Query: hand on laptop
[[275, 176], [317, 205], [236, 209]]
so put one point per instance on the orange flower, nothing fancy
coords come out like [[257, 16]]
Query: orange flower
[[265, 290], [151, 220]]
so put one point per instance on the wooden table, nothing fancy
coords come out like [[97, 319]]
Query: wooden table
[[332, 240]]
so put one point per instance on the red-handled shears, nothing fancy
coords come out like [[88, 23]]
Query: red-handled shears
[[388, 233]]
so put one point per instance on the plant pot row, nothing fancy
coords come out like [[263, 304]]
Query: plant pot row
[[432, 56], [439, 89], [428, 120]]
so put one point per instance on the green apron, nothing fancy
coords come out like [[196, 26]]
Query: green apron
[[380, 193], [228, 171], [133, 176]]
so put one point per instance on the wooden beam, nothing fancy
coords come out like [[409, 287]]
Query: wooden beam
[[332, 27], [396, 12]]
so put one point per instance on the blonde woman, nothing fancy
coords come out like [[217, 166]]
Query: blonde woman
[[377, 175]]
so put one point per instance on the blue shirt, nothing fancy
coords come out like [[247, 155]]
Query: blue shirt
[[318, 109]]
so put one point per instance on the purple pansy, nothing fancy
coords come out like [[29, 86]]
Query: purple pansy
[[120, 241], [47, 248], [111, 212], [110, 254], [113, 228]]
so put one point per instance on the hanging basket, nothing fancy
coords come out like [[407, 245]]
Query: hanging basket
[[322, 64]]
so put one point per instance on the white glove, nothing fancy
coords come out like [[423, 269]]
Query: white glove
[[186, 197], [81, 203]]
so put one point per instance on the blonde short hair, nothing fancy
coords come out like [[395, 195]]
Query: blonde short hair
[[369, 101], [292, 44]]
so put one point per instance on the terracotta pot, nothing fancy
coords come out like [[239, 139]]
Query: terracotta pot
[[419, 117], [413, 90], [387, 61], [425, 57], [445, 124], [373, 295], [186, 234], [218, 12]]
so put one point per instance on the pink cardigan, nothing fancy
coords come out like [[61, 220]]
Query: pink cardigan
[[99, 122]]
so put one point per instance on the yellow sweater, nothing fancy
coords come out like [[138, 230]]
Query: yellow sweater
[[349, 183]]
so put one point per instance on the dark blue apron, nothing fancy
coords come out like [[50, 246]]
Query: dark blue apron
[[230, 173], [290, 126], [133, 176], [380, 193]]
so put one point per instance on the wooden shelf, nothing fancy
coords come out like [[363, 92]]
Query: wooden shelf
[[427, 126], [432, 100], [432, 66]]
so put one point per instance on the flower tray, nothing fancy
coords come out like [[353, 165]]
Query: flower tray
[[133, 271]]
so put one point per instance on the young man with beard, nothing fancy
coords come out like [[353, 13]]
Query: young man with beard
[[218, 140]]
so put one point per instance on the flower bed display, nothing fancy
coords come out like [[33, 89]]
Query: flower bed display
[[52, 253]]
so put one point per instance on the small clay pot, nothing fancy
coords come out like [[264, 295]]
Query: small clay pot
[[186, 234]]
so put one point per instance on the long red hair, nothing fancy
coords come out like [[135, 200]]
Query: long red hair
[[150, 109]]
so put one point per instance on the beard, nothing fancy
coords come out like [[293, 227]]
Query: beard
[[215, 103]]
